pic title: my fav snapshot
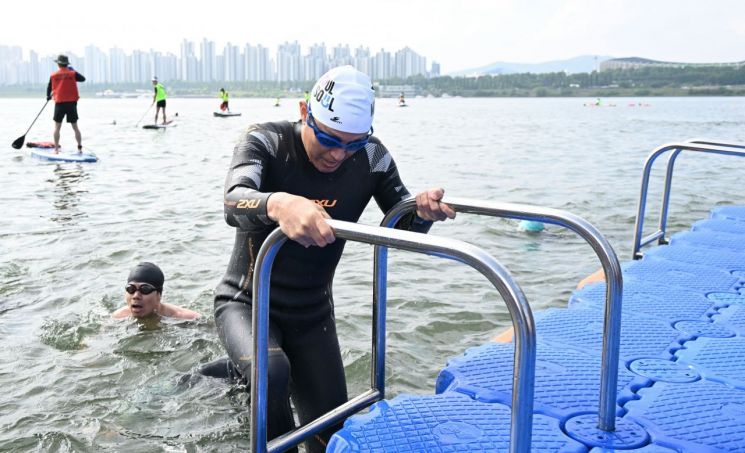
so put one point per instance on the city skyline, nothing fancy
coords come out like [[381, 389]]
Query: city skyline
[[205, 61], [459, 37]]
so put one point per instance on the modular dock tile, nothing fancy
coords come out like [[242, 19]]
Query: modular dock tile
[[684, 275], [733, 317], [729, 212], [566, 381], [717, 359], [701, 416], [582, 329], [666, 303], [450, 422], [725, 225], [710, 239], [724, 260], [727, 299]]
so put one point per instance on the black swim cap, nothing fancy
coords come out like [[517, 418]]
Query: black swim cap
[[147, 273]]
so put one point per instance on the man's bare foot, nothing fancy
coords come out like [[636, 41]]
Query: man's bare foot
[[80, 149]]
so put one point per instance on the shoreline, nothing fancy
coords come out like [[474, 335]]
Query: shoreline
[[610, 93]]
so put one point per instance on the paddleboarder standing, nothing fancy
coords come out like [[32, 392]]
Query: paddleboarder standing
[[225, 97], [159, 99], [63, 86]]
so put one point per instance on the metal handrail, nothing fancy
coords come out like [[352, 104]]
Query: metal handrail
[[525, 344], [697, 145], [608, 258]]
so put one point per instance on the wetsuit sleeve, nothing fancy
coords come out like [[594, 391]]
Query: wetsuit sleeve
[[49, 89], [79, 77], [391, 190], [245, 203]]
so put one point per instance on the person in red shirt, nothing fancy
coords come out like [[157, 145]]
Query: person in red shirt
[[63, 86]]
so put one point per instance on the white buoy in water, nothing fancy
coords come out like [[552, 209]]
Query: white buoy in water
[[531, 226]]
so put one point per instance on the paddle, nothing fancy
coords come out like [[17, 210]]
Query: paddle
[[19, 141], [143, 116]]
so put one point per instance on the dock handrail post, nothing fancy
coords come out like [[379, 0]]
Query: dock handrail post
[[662, 224], [607, 256], [525, 343]]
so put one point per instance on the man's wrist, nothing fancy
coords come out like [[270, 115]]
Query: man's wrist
[[419, 220], [274, 205]]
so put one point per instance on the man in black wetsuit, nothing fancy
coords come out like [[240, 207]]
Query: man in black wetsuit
[[296, 175]]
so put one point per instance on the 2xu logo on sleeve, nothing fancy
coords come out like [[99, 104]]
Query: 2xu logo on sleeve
[[253, 204]]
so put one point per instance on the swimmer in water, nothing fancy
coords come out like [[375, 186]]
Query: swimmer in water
[[143, 292]]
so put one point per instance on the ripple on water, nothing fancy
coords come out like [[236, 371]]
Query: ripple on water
[[11, 276], [68, 334]]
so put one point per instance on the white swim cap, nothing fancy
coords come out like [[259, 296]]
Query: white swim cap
[[344, 99]]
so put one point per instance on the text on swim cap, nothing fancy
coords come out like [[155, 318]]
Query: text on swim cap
[[325, 95]]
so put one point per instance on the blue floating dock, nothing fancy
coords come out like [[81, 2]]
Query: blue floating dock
[[724, 225], [736, 213], [681, 380], [443, 423], [566, 380]]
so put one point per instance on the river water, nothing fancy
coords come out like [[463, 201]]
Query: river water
[[73, 379]]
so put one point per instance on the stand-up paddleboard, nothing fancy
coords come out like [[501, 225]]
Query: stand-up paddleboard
[[159, 126], [225, 114], [45, 151]]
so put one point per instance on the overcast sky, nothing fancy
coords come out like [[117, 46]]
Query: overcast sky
[[459, 34]]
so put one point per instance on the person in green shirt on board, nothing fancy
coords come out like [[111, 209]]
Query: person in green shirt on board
[[159, 98], [224, 96]]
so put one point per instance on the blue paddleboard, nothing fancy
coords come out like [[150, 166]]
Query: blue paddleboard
[[64, 155]]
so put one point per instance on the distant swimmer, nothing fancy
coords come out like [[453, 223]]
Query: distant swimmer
[[401, 99], [159, 98], [143, 292], [63, 86], [224, 96]]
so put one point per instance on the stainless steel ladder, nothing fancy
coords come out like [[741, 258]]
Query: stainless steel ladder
[[693, 145]]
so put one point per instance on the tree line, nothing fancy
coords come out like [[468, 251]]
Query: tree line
[[642, 81], [650, 80]]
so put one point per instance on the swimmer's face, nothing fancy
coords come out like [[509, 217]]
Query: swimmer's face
[[142, 305], [325, 159]]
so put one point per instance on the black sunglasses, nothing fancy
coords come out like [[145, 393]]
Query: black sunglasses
[[144, 289]]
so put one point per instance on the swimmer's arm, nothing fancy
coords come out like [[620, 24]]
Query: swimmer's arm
[[174, 311], [122, 313], [245, 204]]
